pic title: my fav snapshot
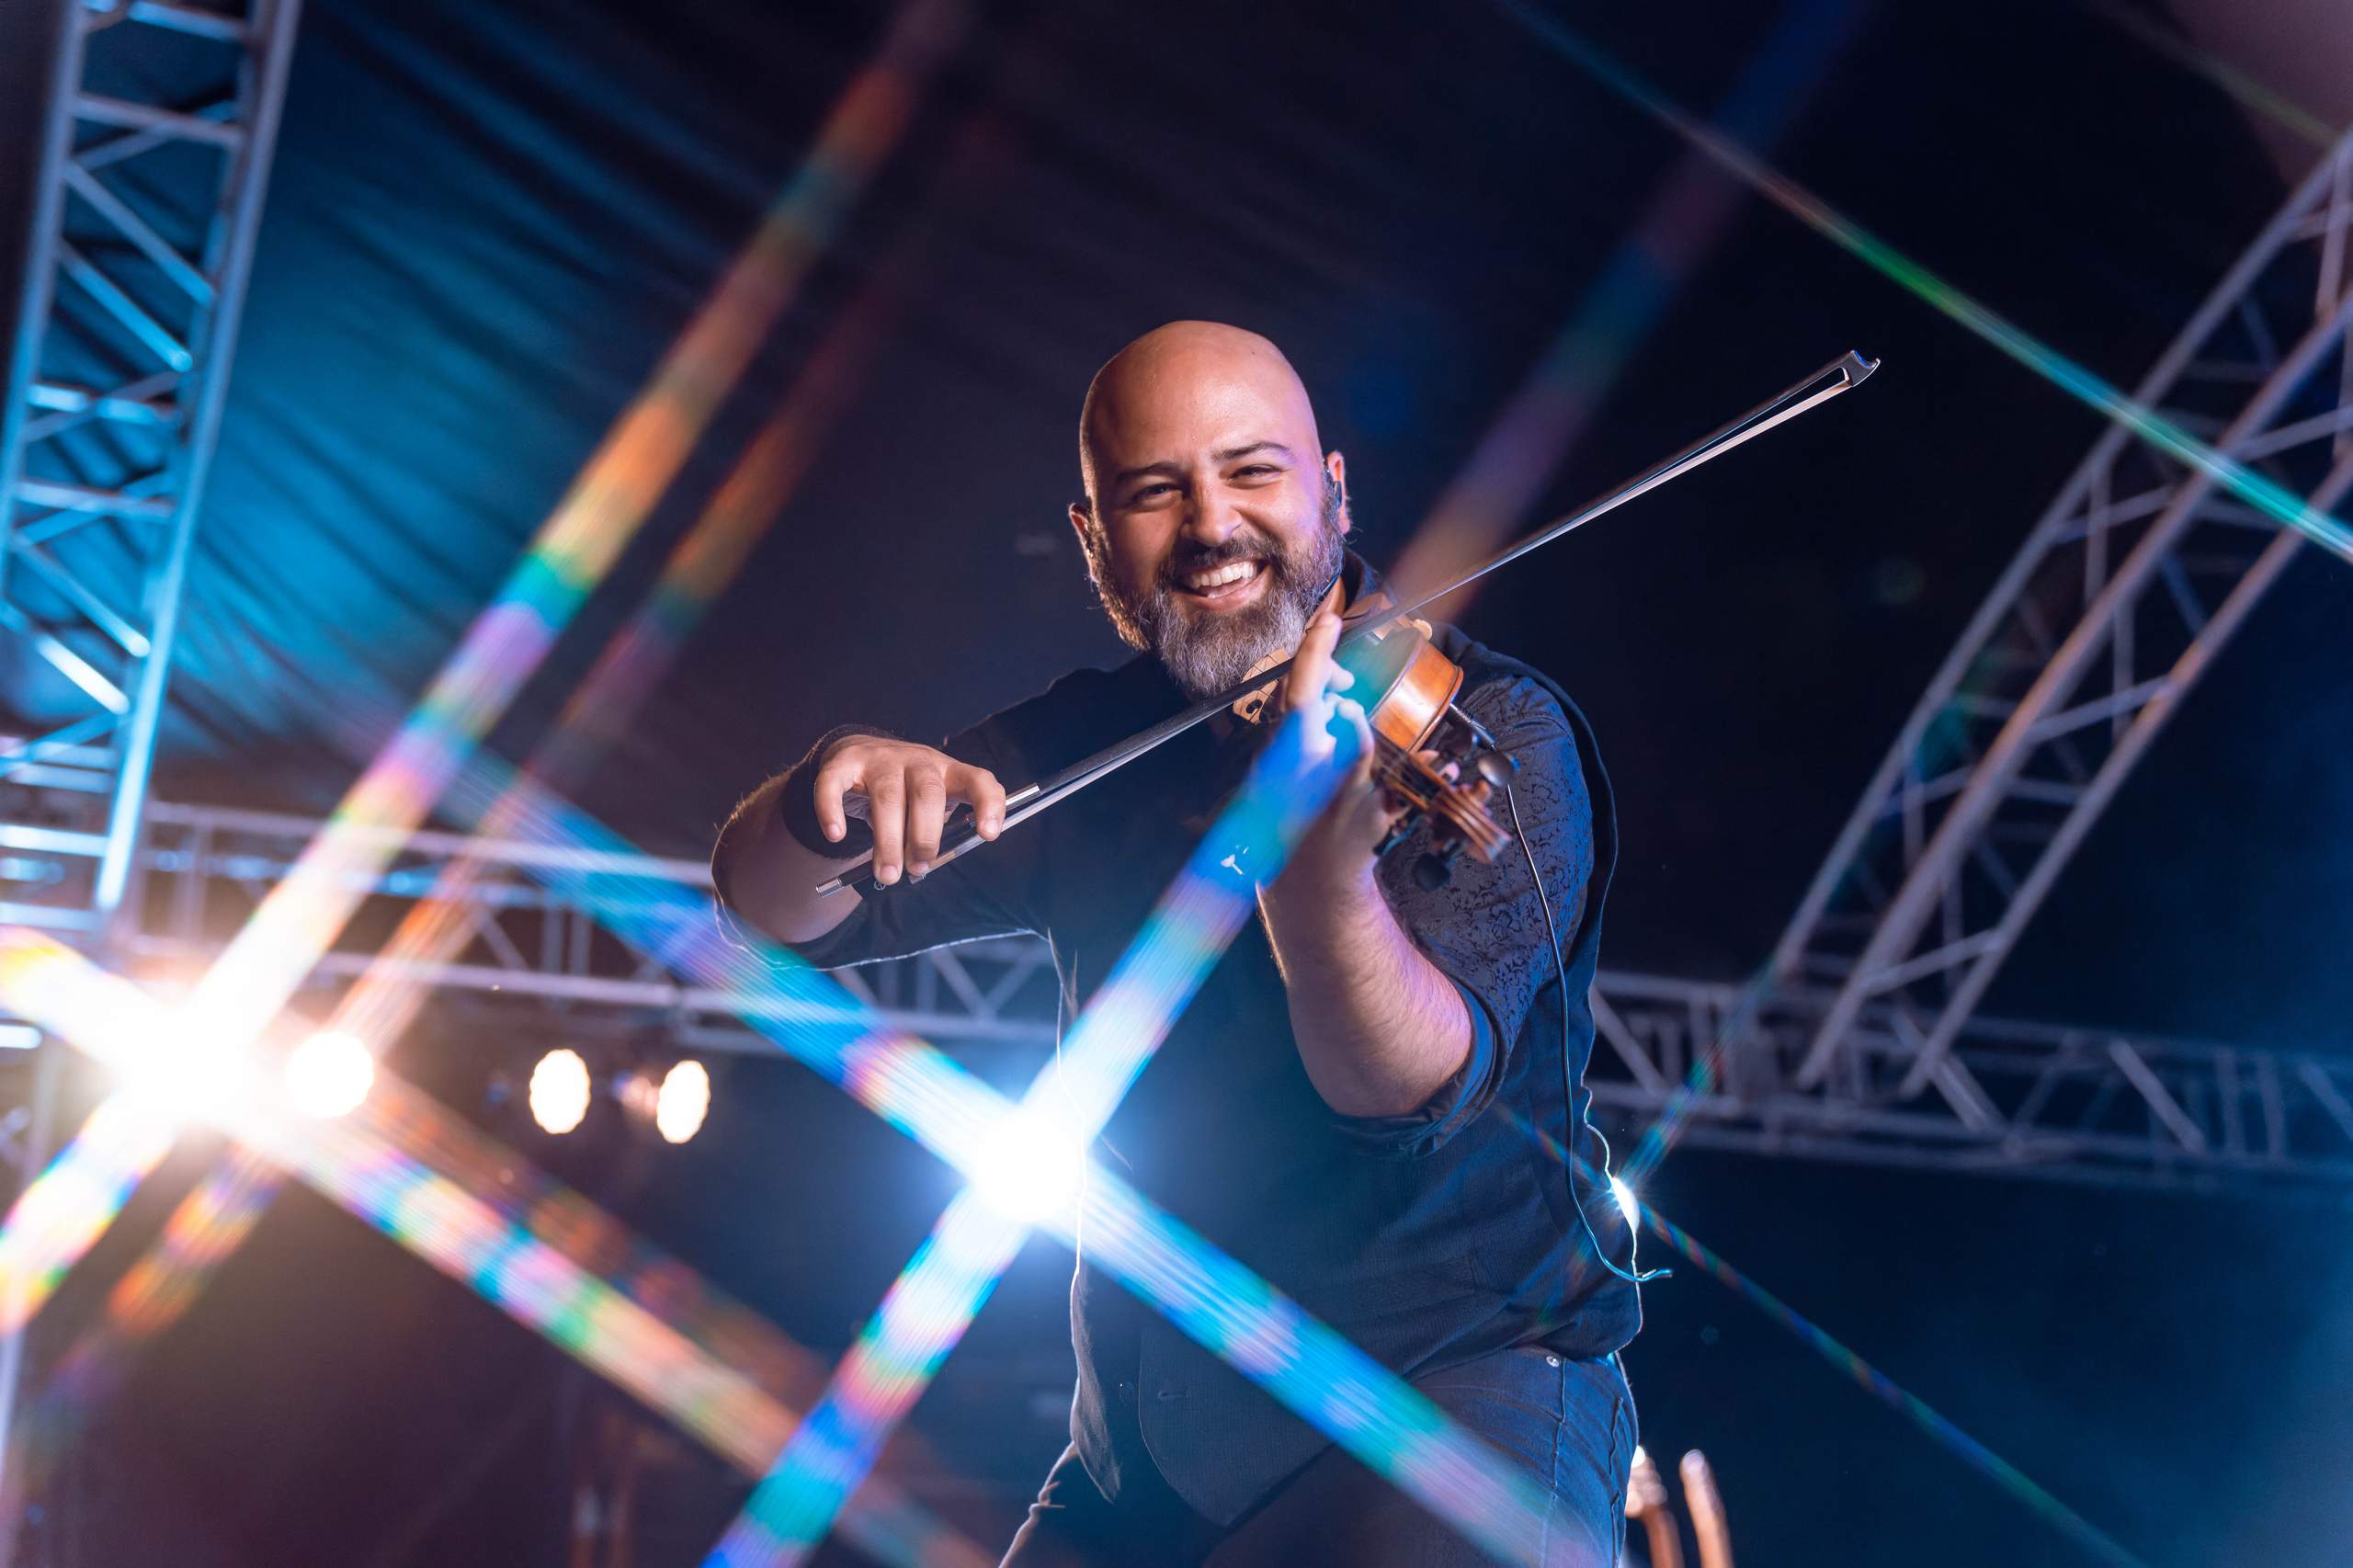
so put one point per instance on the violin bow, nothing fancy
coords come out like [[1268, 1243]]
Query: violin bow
[[1843, 374]]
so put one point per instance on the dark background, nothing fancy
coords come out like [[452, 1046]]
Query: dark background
[[488, 222]]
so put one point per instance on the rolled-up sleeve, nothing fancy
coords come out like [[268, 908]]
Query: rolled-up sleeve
[[1485, 929], [977, 896]]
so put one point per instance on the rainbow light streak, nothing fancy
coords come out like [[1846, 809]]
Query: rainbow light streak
[[2221, 73], [62, 1214], [381, 1006], [936, 1299], [581, 540], [1697, 1084], [1361, 1404], [1980, 1457], [352, 1163], [1215, 1299], [610, 499], [1336, 1388], [2272, 499], [699, 568], [1533, 436], [879, 1381]]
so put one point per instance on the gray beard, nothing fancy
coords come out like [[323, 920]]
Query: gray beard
[[1209, 655]]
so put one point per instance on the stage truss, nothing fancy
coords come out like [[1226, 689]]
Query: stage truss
[[1865, 1047], [2043, 1100], [158, 141], [2126, 590]]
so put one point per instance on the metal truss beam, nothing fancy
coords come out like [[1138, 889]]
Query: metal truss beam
[[2014, 1098], [533, 949], [2020, 1098], [154, 161], [2125, 591]]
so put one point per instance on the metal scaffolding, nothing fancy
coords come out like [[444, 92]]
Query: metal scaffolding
[[2071, 1103], [155, 150], [2123, 593], [155, 158]]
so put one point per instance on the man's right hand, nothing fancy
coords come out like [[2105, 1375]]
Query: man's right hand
[[905, 793]]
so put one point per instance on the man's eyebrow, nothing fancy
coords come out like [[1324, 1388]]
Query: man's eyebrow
[[1172, 470], [1231, 453]]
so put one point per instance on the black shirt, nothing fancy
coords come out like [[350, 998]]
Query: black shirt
[[1429, 1239]]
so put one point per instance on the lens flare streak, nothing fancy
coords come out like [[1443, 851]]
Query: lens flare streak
[[2265, 495], [385, 999], [1336, 1388], [935, 1300], [879, 1381], [916, 1089], [356, 1165], [1310, 1367], [578, 543], [1534, 433], [62, 1212], [1976, 1455]]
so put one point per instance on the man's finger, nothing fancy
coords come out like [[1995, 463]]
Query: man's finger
[[834, 779], [1311, 668], [886, 814], [927, 808], [978, 785]]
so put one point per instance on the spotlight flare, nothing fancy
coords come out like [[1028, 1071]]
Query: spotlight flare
[[330, 1075], [1030, 1167], [682, 1102], [560, 1091]]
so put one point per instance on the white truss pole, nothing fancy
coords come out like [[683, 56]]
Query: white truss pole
[[2125, 591], [126, 335]]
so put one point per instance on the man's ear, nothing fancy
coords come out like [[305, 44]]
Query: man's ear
[[1336, 467], [1082, 512]]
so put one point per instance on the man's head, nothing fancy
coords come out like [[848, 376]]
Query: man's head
[[1213, 518]]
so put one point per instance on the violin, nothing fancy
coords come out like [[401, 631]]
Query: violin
[[1435, 761]]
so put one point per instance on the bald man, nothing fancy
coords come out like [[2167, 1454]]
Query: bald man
[[1355, 1103]]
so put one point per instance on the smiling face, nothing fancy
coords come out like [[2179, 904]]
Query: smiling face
[[1214, 520]]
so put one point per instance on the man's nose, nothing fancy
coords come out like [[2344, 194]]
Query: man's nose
[[1211, 517]]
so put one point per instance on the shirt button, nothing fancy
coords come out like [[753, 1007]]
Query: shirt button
[[1126, 1391], [1551, 1361]]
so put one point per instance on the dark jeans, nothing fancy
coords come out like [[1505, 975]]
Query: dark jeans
[[1568, 1426]]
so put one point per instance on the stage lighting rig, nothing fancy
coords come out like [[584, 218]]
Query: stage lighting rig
[[661, 1094], [559, 1090], [672, 1104], [682, 1102]]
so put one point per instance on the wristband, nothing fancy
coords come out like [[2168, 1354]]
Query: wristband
[[796, 800]]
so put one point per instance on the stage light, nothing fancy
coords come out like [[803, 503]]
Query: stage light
[[1628, 1204], [1030, 1167], [682, 1102], [559, 1090], [329, 1074]]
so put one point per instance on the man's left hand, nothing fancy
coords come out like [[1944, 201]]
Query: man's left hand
[[1333, 856]]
